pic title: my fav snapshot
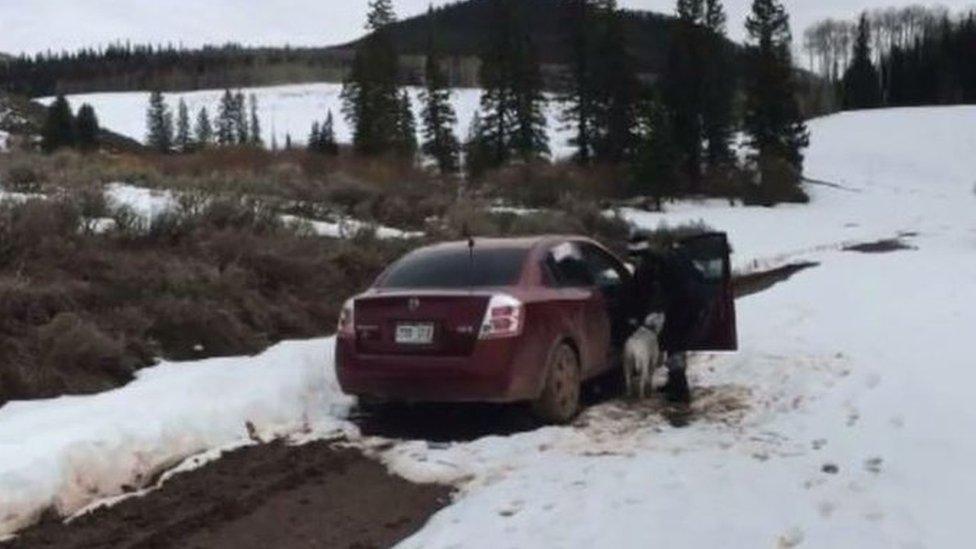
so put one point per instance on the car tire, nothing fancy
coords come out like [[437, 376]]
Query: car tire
[[559, 402]]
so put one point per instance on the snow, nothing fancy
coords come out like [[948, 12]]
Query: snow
[[860, 364], [348, 228], [283, 110], [150, 203], [844, 420], [69, 452]]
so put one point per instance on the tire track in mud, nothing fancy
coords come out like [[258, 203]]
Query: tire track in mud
[[272, 495]]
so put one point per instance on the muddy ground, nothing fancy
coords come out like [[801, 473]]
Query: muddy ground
[[317, 495], [265, 496]]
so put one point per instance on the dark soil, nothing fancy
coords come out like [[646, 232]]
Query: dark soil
[[880, 247], [266, 496]]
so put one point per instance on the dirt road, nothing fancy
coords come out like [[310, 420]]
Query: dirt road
[[265, 496]]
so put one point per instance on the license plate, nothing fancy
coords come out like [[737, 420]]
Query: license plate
[[415, 334]]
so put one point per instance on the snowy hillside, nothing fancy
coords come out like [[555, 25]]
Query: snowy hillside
[[844, 421], [284, 110]]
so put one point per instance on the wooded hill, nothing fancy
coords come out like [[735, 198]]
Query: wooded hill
[[462, 29]]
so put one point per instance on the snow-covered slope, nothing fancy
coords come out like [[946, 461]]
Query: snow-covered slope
[[284, 110], [844, 421], [855, 377]]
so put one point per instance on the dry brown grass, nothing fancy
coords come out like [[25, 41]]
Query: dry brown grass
[[80, 312]]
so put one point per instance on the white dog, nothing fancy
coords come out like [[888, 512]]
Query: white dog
[[643, 356]]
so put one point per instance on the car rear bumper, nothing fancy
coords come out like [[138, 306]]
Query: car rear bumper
[[490, 374]]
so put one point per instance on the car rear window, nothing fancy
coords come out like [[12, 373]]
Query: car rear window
[[457, 268]]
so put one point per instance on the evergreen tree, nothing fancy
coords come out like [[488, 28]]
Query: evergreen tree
[[255, 129], [720, 84], [59, 126], [288, 145], [618, 90], [183, 140], [684, 88], [477, 153], [654, 171], [226, 134], [315, 138], [370, 95], [241, 130], [438, 114], [405, 143], [159, 120], [862, 88], [773, 122], [204, 130], [512, 103], [87, 128], [327, 137], [580, 111]]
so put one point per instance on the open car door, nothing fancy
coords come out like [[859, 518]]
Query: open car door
[[716, 329]]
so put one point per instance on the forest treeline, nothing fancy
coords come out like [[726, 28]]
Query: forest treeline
[[168, 67], [896, 57]]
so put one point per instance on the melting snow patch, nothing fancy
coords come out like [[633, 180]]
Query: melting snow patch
[[64, 454]]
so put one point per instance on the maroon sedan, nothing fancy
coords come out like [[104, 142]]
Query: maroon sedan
[[507, 320]]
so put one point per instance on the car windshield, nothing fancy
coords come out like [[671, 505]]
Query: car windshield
[[457, 268]]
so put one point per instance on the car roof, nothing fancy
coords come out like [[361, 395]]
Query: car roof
[[525, 243]]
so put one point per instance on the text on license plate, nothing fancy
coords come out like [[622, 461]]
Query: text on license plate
[[415, 334]]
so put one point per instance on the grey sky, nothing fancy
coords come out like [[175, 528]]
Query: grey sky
[[38, 25]]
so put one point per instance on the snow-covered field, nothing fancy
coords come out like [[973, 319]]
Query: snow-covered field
[[283, 110], [845, 420]]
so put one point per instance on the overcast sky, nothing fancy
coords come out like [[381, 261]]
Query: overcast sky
[[38, 25]]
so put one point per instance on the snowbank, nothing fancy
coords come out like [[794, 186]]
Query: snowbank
[[69, 452]]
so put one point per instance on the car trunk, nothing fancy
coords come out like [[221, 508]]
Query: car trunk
[[432, 324]]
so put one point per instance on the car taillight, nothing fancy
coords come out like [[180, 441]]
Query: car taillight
[[347, 321], [505, 318]]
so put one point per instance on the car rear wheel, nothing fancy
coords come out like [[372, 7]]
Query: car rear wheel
[[560, 399]]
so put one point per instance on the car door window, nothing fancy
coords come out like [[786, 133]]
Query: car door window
[[607, 273], [568, 266]]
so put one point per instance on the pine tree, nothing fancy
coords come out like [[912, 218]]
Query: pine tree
[[183, 140], [87, 128], [405, 143], [255, 129], [861, 80], [477, 154], [684, 88], [720, 84], [159, 120], [204, 130], [243, 135], [327, 136], [654, 171], [618, 90], [288, 144], [580, 99], [226, 134], [773, 122], [370, 95], [59, 126], [439, 118], [512, 103], [315, 138], [380, 14]]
